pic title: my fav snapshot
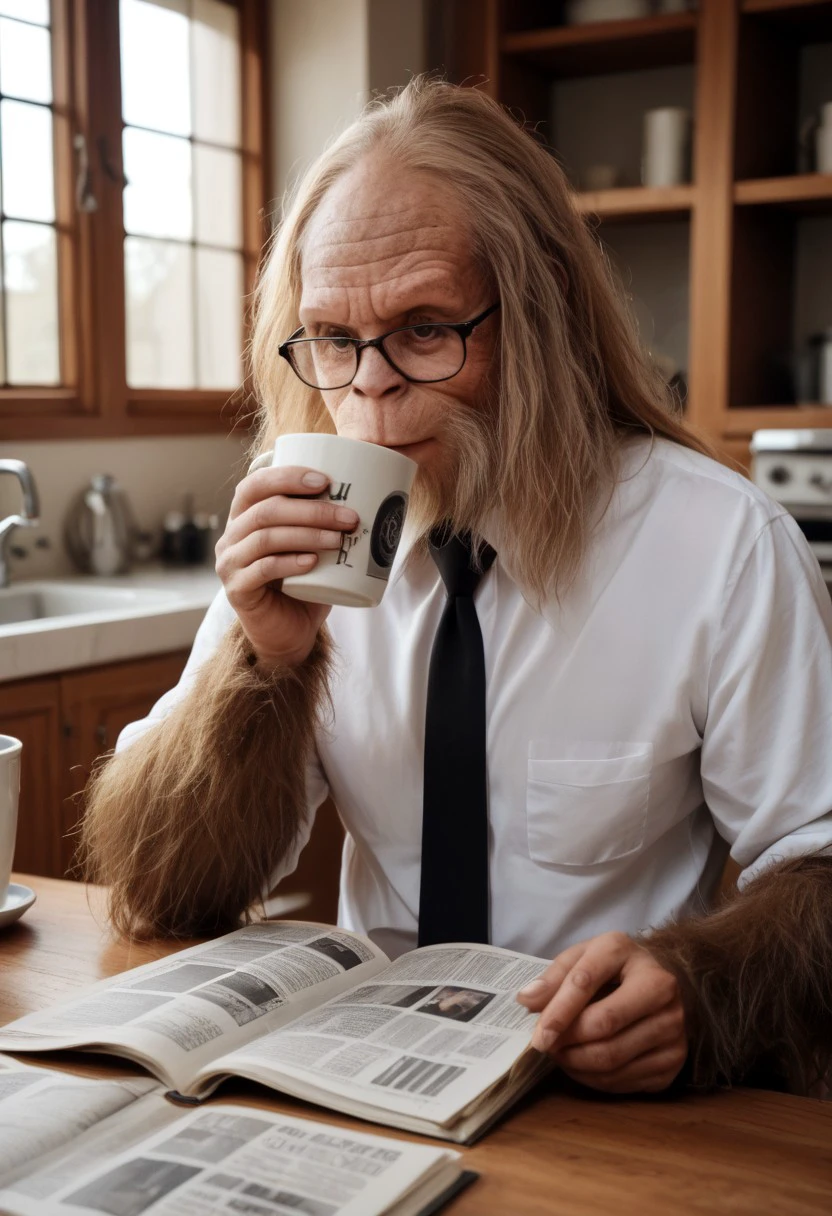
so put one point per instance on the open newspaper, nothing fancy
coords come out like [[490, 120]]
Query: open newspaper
[[434, 1042], [71, 1145]]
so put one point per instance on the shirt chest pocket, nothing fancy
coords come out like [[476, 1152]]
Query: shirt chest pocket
[[586, 803]]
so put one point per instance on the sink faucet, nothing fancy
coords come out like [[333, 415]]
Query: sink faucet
[[29, 518]]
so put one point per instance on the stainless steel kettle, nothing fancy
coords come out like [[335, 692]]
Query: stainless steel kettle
[[99, 530]]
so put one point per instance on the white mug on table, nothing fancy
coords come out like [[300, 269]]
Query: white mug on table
[[10, 750], [376, 483]]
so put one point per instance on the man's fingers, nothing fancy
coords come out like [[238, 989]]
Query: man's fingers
[[266, 483], [605, 1056], [600, 962], [650, 1073], [648, 989], [540, 991]]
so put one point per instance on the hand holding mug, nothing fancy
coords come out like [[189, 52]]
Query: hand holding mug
[[277, 527], [285, 559]]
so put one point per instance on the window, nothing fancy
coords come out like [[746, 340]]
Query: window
[[132, 212], [183, 259], [29, 341]]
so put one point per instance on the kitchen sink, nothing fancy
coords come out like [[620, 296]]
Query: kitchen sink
[[42, 601]]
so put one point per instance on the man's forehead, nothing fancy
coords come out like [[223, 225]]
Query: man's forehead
[[370, 227], [369, 243]]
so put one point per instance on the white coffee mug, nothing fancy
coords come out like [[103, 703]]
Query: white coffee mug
[[666, 150], [10, 750], [376, 483]]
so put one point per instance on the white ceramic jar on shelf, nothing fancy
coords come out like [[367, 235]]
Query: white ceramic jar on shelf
[[666, 147], [823, 140]]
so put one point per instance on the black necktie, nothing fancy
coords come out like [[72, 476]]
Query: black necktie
[[453, 900]]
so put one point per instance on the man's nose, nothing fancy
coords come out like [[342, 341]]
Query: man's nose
[[375, 377]]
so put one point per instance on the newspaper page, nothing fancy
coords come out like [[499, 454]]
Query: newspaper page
[[426, 1037], [228, 1158], [175, 1015], [41, 1109]]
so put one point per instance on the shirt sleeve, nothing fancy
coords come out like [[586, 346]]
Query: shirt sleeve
[[766, 759], [216, 623]]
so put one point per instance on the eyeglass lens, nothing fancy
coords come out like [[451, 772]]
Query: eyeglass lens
[[424, 352]]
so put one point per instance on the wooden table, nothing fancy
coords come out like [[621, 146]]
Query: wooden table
[[742, 1151]]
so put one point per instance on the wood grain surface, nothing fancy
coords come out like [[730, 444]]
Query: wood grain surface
[[560, 1151]]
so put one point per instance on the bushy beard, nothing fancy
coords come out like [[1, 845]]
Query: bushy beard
[[460, 485]]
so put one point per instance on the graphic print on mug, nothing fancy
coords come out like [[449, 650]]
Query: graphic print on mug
[[385, 534]]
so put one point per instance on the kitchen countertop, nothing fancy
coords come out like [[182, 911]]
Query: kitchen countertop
[[54, 644]]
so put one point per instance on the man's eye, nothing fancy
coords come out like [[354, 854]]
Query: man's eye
[[426, 333], [337, 342]]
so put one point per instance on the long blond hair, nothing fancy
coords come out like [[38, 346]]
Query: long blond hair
[[574, 377]]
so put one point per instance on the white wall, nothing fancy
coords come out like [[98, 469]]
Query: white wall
[[328, 57], [396, 36], [155, 474], [319, 78]]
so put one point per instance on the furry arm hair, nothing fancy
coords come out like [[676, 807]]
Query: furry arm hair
[[756, 980], [187, 825]]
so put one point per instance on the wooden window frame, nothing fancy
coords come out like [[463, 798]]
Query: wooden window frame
[[95, 400]]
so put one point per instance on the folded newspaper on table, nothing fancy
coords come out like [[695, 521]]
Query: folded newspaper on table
[[71, 1145], [434, 1042]]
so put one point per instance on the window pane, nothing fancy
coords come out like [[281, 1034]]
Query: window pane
[[157, 199], [155, 79], [27, 161], [219, 279], [25, 61], [216, 68], [159, 287], [219, 196], [30, 280], [26, 10]]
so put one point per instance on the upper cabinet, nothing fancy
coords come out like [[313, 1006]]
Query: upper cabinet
[[729, 269], [133, 213]]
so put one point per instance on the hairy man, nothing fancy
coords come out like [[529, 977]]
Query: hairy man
[[656, 635]]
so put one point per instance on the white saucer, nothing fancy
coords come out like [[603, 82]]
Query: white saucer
[[18, 899]]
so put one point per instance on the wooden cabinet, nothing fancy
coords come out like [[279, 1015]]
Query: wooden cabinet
[[66, 722], [754, 226], [96, 705], [30, 711]]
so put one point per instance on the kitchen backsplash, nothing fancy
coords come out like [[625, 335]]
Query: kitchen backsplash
[[156, 474]]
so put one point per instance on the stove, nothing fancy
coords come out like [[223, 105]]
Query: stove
[[795, 468]]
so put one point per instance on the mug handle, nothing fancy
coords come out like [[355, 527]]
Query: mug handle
[[261, 462]]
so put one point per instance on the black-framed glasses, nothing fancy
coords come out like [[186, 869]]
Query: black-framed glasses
[[423, 354]]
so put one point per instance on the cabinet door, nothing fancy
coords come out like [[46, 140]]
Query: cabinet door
[[96, 705], [30, 711]]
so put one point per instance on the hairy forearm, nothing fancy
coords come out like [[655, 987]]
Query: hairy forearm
[[188, 823], [756, 977]]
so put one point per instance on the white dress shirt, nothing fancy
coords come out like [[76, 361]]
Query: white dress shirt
[[676, 703]]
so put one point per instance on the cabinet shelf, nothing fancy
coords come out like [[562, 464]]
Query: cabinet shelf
[[729, 271], [809, 193], [784, 6], [607, 46], [637, 202], [742, 421]]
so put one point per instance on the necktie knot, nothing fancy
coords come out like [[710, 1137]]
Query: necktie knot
[[454, 556]]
